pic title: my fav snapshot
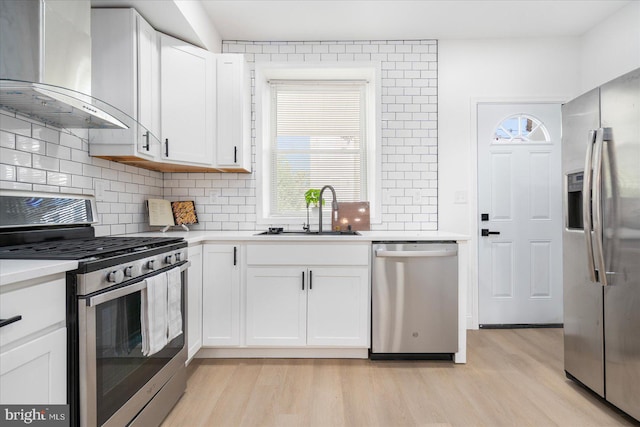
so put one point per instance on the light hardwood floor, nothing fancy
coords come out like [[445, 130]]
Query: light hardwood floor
[[512, 378]]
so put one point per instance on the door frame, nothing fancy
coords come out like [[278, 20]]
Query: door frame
[[473, 290]]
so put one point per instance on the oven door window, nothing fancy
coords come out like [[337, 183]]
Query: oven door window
[[121, 369]]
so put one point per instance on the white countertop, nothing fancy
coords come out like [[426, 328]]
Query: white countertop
[[199, 236], [12, 271], [18, 270]]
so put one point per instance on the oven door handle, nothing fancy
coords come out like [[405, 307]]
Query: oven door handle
[[126, 290]]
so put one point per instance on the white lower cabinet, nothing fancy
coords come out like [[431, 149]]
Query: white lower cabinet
[[33, 348], [35, 372], [194, 301], [276, 306], [307, 306], [338, 306], [221, 295], [307, 295]]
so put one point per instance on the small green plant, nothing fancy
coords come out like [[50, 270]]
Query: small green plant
[[312, 197]]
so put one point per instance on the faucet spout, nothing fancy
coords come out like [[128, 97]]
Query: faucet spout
[[334, 205]]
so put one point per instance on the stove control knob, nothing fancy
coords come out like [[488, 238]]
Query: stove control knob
[[151, 265], [132, 270], [169, 259], [178, 256], [116, 276]]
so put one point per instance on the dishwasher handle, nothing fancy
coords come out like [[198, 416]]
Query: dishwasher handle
[[415, 254]]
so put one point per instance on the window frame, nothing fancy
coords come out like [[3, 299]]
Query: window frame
[[369, 71]]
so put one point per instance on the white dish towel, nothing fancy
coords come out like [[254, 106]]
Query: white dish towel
[[174, 303], [153, 314]]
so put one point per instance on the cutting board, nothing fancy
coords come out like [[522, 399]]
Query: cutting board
[[355, 214]]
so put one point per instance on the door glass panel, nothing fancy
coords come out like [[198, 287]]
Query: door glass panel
[[121, 368], [520, 128]]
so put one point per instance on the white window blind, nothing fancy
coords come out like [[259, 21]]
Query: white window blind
[[317, 138]]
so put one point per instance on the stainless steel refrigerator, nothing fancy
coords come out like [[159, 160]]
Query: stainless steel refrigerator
[[601, 241]]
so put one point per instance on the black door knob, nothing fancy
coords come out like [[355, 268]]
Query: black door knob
[[485, 232]]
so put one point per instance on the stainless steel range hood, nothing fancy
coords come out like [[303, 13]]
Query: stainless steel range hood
[[45, 65], [56, 106]]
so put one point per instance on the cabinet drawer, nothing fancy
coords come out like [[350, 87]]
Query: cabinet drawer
[[40, 306], [308, 254]]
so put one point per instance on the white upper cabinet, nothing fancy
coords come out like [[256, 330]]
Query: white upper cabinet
[[187, 103], [188, 109], [233, 143], [125, 74]]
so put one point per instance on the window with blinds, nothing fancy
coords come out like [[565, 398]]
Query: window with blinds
[[317, 138]]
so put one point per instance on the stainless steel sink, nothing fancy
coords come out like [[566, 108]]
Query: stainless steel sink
[[309, 233]]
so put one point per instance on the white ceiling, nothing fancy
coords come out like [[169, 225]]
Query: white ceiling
[[302, 20]]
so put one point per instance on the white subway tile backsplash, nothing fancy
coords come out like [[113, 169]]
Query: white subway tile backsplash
[[14, 157], [71, 167], [30, 145], [35, 157], [70, 141], [44, 133], [58, 151], [7, 140], [12, 185], [7, 173], [44, 162], [34, 176], [15, 125], [58, 178]]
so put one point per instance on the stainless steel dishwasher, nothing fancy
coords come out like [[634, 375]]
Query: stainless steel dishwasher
[[414, 311]]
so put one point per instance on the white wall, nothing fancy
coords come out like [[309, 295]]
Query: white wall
[[472, 71], [196, 16], [611, 48], [484, 70]]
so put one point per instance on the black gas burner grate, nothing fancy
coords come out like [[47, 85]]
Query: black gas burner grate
[[77, 249]]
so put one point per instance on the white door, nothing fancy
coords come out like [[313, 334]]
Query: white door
[[519, 197]]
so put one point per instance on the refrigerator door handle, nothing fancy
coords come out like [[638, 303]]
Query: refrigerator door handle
[[587, 205], [597, 208]]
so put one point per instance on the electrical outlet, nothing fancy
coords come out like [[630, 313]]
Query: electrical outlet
[[460, 197]]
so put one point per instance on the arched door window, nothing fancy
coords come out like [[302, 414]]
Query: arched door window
[[520, 128]]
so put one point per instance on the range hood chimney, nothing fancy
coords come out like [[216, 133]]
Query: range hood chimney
[[45, 64]]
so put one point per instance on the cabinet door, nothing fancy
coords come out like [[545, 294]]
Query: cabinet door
[[36, 372], [187, 91], [148, 77], [221, 295], [233, 144], [194, 302], [338, 305], [276, 306]]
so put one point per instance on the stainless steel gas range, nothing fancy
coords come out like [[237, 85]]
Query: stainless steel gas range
[[113, 301]]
